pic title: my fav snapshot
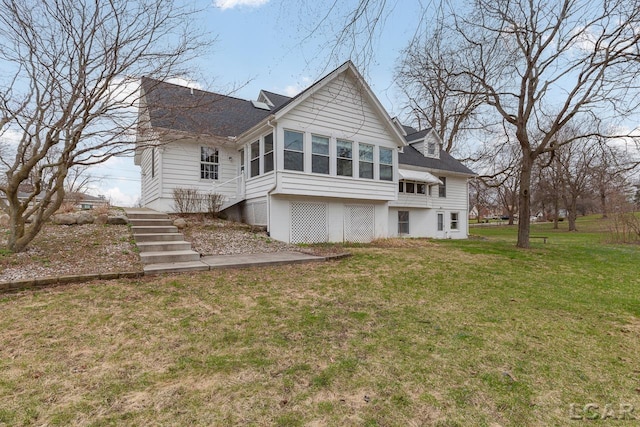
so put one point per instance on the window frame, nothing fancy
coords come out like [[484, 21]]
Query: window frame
[[300, 153], [326, 157], [254, 160], [383, 166], [361, 161], [442, 188], [344, 160], [242, 161], [267, 156], [209, 169], [402, 222], [454, 224], [440, 221]]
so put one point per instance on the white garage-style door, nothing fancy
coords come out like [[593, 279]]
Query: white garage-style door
[[359, 223]]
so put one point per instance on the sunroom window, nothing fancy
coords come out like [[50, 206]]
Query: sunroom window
[[344, 161], [386, 164], [255, 158], [268, 153], [366, 161], [319, 154], [293, 151]]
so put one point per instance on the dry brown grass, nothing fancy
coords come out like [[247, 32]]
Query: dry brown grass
[[71, 249]]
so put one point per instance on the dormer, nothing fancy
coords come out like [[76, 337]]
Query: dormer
[[431, 146], [427, 142], [263, 98]]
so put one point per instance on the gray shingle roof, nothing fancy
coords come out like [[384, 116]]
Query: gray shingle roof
[[415, 135], [181, 108], [409, 130], [277, 99], [413, 157]]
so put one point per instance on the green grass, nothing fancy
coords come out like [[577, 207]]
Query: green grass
[[415, 332]]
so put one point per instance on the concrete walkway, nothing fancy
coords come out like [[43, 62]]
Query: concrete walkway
[[235, 261]]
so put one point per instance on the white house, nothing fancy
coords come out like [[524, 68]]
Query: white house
[[326, 165]]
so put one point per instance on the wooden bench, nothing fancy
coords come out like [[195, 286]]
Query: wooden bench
[[544, 238]]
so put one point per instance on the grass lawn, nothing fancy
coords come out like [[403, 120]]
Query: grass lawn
[[415, 332]]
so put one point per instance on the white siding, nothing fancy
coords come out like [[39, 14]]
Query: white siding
[[178, 166], [150, 174], [412, 201], [258, 186], [341, 106], [299, 183], [457, 197]]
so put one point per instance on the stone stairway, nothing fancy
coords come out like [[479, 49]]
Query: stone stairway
[[162, 247]]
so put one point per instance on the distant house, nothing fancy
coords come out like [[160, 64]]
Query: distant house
[[326, 165], [85, 201]]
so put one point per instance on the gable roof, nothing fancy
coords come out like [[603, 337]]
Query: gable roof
[[415, 135], [369, 95], [411, 156], [175, 107], [180, 108], [275, 99]]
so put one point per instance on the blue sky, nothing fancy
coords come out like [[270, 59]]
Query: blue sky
[[267, 44]]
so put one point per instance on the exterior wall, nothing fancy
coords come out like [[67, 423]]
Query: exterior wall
[[424, 222], [319, 185], [151, 175], [340, 110], [280, 214], [179, 167], [256, 211], [258, 186]]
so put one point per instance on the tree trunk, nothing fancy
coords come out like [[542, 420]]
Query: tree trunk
[[556, 211], [603, 203], [524, 201], [572, 213]]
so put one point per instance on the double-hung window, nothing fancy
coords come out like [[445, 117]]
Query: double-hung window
[[403, 222], [440, 221], [268, 153], [293, 151], [386, 164], [366, 161], [442, 188], [344, 160], [319, 154], [242, 161], [208, 163], [255, 158], [454, 220]]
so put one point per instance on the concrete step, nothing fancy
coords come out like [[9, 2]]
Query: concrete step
[[175, 267], [148, 229], [147, 215], [175, 245], [168, 256], [141, 222], [158, 237]]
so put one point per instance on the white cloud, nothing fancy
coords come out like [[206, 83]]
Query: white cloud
[[185, 82], [10, 136], [294, 89], [119, 198], [230, 4]]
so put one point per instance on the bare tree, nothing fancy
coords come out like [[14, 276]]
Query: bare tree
[[609, 172], [69, 88], [436, 95], [541, 65], [79, 179]]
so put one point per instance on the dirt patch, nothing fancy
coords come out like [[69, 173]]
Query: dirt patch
[[60, 250]]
